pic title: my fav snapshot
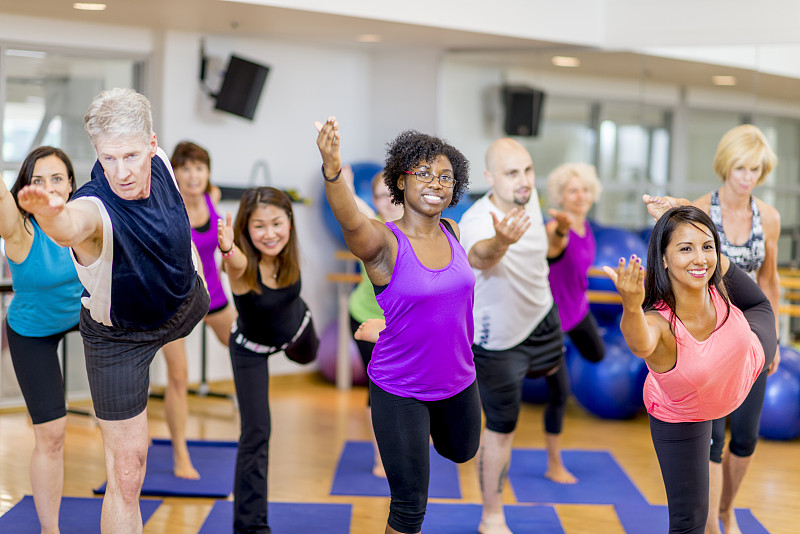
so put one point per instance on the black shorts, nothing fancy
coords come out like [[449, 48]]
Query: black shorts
[[38, 373], [118, 361], [501, 372]]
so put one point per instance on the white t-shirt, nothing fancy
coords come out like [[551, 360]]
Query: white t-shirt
[[512, 297]]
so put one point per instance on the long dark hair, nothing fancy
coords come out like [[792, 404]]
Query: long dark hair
[[26, 173], [287, 263], [658, 287]]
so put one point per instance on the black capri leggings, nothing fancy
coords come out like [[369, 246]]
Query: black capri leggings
[[681, 449], [587, 340], [365, 349], [38, 371], [748, 297], [403, 426]]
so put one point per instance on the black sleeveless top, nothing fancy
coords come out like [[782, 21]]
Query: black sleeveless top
[[273, 317]]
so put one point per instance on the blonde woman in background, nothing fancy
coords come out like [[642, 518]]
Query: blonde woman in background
[[573, 188]]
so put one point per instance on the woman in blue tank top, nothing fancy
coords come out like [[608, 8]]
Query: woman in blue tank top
[[422, 375], [46, 305]]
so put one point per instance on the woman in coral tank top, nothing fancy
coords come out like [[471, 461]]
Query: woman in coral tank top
[[703, 327]]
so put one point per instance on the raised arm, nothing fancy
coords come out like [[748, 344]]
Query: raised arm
[[767, 277], [488, 252], [557, 232], [365, 237], [75, 224], [641, 334], [234, 262], [12, 228]]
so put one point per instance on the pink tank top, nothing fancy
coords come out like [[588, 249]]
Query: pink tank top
[[425, 352], [711, 378]]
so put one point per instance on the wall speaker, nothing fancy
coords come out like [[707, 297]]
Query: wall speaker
[[241, 87], [523, 106]]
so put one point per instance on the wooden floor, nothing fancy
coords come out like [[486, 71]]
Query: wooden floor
[[311, 420]]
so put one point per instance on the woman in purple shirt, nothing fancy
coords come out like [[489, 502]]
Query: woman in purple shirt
[[422, 377], [573, 188], [192, 167]]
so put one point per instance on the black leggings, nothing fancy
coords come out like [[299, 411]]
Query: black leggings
[[557, 396], [748, 297], [681, 449], [38, 371], [403, 428], [587, 340], [365, 349]]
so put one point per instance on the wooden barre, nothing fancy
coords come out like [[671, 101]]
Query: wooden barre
[[344, 278]]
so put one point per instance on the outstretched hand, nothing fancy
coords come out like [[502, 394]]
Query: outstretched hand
[[328, 144], [225, 233], [629, 281], [512, 227], [563, 219], [657, 206], [37, 201]]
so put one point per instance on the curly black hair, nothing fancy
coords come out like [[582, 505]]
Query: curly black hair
[[412, 147]]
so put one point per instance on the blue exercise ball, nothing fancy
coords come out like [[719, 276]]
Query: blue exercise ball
[[612, 244], [790, 360], [362, 182], [780, 416], [612, 387]]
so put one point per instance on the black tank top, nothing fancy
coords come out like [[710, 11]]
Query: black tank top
[[273, 317]]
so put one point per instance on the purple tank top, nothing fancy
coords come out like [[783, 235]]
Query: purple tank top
[[206, 243], [425, 351], [568, 278]]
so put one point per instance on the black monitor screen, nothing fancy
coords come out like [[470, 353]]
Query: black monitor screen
[[241, 87]]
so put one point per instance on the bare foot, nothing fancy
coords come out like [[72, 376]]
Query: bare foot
[[729, 524], [494, 524], [378, 470], [369, 330], [559, 473], [183, 468]]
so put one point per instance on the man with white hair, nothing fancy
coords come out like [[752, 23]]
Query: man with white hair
[[130, 241]]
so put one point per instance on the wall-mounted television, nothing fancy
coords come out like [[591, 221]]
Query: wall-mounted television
[[241, 87]]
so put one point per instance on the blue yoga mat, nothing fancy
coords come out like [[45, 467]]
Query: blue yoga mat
[[464, 518], [354, 474], [645, 519], [600, 479], [214, 460], [286, 518], [77, 516]]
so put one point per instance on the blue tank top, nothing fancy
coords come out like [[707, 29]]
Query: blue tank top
[[152, 270], [47, 293], [750, 255], [425, 352]]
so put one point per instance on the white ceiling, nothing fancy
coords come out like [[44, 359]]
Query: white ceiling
[[214, 17]]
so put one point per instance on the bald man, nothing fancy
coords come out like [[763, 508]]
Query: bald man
[[517, 328]]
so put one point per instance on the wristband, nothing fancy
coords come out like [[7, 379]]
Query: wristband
[[331, 180], [227, 253]]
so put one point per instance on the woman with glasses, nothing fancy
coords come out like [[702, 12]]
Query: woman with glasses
[[422, 377], [261, 257]]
